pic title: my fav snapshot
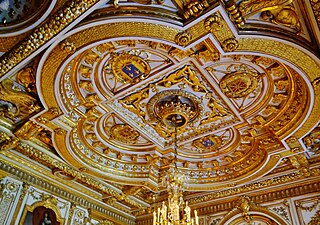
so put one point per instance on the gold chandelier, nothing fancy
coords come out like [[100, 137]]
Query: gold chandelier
[[176, 182], [170, 214]]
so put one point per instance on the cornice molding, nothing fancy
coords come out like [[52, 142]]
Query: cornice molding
[[51, 162], [48, 186]]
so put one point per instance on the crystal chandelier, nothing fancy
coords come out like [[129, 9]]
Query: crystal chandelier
[[169, 214]]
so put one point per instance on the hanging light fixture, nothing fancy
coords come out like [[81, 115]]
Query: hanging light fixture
[[169, 214], [175, 111]]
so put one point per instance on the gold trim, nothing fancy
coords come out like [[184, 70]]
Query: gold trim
[[50, 202], [95, 198], [57, 22], [81, 177]]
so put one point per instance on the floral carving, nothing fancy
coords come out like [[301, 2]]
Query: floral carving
[[315, 220], [213, 23], [230, 45], [281, 211], [183, 38]]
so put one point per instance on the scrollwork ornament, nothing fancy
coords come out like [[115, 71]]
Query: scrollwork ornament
[[213, 23], [249, 7], [4, 137], [310, 207], [10, 143], [312, 141], [287, 16], [54, 111], [230, 45], [282, 211], [124, 133], [183, 38]]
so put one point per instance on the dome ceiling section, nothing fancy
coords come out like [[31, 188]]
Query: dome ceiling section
[[123, 95], [19, 16]]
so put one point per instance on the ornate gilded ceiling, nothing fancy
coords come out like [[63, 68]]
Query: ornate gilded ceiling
[[102, 96]]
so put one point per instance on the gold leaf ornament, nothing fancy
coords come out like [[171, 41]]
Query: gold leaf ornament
[[183, 38], [230, 45], [213, 23]]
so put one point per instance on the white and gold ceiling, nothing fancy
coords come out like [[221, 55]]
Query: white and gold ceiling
[[86, 87]]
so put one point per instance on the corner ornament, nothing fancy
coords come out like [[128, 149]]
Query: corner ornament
[[183, 38], [230, 45]]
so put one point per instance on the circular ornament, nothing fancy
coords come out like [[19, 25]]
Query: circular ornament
[[239, 84], [174, 108], [124, 133], [12, 186], [213, 23], [209, 143], [230, 45], [129, 68], [183, 38]]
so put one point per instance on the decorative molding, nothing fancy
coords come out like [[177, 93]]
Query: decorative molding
[[258, 199], [315, 4], [183, 39], [234, 12], [46, 159], [8, 199], [41, 35], [45, 185], [195, 8]]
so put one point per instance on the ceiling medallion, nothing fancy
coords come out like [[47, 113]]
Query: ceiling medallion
[[209, 143], [129, 68], [239, 84], [174, 108], [124, 133]]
